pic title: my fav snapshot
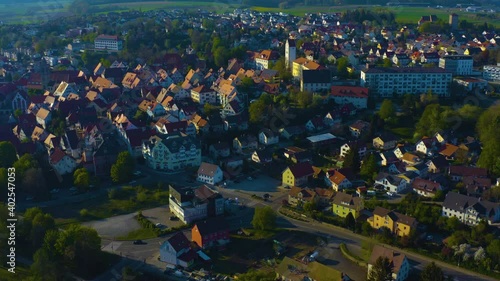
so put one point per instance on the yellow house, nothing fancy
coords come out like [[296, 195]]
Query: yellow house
[[399, 224], [343, 204], [297, 175], [297, 67]]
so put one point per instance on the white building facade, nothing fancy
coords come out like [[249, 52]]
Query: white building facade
[[394, 81]]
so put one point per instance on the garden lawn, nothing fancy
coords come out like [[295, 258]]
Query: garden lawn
[[139, 234]]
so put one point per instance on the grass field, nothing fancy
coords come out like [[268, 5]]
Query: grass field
[[20, 274], [132, 199]]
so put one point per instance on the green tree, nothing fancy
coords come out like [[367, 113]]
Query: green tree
[[368, 168], [386, 62], [264, 218], [381, 270], [342, 64], [81, 178], [45, 266], [488, 127], [387, 110], [351, 159], [493, 250], [141, 115], [310, 207], [435, 118], [247, 83], [24, 163], [123, 168], [7, 154], [256, 111], [40, 224], [350, 221], [209, 109], [80, 248], [304, 99], [221, 56], [432, 272]]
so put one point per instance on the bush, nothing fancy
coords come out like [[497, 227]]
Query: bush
[[84, 213], [142, 196]]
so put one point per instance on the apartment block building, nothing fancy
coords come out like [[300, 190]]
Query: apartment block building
[[393, 81], [457, 64], [108, 42], [192, 204], [491, 72], [172, 152]]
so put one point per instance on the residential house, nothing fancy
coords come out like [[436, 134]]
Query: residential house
[[43, 117], [177, 251], [475, 186], [358, 96], [315, 80], [425, 187], [457, 173], [391, 183], [426, 146], [360, 146], [203, 94], [399, 263], [344, 203], [192, 204], [209, 173], [315, 124], [297, 175], [410, 159], [333, 117], [449, 151], [61, 162], [172, 152], [264, 58], [325, 196], [105, 155], [297, 154], [399, 224], [298, 196], [337, 180], [387, 158], [244, 143], [262, 156], [268, 137], [219, 150], [210, 233], [385, 141], [437, 164], [358, 128], [470, 210], [292, 131]]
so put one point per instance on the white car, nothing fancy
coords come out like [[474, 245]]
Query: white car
[[55, 190], [74, 188]]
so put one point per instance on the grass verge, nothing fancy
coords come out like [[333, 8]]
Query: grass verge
[[350, 256]]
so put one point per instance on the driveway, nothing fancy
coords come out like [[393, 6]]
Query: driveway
[[114, 226]]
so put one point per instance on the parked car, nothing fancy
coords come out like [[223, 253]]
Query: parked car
[[159, 225], [139, 242], [29, 198], [174, 218], [55, 190], [132, 182], [74, 188]]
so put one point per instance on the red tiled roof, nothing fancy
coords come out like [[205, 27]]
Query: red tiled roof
[[57, 156], [349, 91]]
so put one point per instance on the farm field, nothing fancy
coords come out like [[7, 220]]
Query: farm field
[[43, 10]]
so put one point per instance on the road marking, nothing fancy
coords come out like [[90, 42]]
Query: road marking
[[113, 246]]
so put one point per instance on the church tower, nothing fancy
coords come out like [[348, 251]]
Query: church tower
[[290, 52]]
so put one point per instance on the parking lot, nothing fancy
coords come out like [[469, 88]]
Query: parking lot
[[161, 215]]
